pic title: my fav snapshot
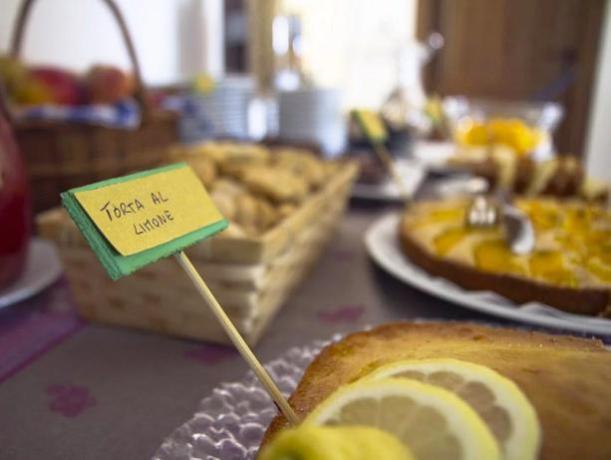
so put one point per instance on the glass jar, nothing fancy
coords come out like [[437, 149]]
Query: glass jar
[[15, 209]]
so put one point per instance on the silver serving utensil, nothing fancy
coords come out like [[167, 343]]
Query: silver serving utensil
[[519, 230], [484, 212]]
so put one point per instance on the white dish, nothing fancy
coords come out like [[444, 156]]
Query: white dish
[[433, 154], [42, 268], [383, 246], [460, 186], [413, 174]]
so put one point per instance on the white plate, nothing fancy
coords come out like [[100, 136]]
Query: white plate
[[433, 154], [383, 246], [42, 268], [413, 174]]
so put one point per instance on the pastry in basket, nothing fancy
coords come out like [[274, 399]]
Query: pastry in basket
[[253, 186], [206, 169], [569, 268], [275, 183], [255, 215], [231, 152], [235, 159], [301, 163], [252, 214], [231, 158], [204, 166], [224, 193], [449, 391]]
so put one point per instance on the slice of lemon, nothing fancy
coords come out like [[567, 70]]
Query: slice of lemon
[[432, 422], [497, 400], [310, 442]]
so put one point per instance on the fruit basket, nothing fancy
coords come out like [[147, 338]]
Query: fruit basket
[[251, 270], [61, 154]]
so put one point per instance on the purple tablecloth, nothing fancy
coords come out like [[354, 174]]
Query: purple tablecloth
[[76, 390]]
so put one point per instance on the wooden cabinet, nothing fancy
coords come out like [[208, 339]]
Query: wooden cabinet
[[518, 50]]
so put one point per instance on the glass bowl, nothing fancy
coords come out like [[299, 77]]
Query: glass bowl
[[526, 126], [230, 423]]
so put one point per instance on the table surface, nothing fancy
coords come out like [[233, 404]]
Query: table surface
[[76, 390]]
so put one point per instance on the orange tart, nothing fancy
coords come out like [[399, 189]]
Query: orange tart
[[569, 269]]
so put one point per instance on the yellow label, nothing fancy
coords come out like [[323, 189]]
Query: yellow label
[[142, 213], [372, 124]]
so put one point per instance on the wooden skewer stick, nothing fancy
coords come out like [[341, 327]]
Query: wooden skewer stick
[[389, 163], [263, 376]]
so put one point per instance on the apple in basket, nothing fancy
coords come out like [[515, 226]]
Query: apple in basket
[[61, 86], [108, 85]]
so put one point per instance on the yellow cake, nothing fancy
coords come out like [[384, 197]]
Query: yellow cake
[[565, 378]]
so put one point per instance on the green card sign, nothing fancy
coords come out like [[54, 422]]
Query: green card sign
[[135, 220]]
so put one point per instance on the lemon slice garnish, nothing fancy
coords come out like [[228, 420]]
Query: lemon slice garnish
[[310, 442], [432, 422], [496, 399]]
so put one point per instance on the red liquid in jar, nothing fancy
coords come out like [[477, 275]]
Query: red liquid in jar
[[15, 223]]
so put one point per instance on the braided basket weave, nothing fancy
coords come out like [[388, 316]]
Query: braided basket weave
[[251, 276]]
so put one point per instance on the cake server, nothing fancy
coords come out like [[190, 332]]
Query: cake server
[[485, 212]]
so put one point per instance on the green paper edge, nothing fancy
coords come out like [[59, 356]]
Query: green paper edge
[[115, 264]]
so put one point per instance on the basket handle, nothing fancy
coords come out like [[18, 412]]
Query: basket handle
[[4, 110], [17, 41]]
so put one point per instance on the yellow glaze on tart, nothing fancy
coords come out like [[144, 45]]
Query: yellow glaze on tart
[[572, 251]]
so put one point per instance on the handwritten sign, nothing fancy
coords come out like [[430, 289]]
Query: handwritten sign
[[371, 124], [135, 220], [143, 213]]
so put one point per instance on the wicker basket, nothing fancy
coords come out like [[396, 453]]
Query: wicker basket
[[61, 155], [251, 277]]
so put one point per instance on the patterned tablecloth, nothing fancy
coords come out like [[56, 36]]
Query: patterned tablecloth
[[76, 390]]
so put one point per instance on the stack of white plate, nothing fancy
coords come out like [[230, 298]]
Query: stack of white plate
[[222, 112], [312, 115], [227, 106]]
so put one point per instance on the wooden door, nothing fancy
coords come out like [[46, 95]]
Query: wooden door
[[518, 50]]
